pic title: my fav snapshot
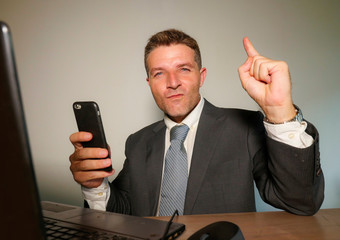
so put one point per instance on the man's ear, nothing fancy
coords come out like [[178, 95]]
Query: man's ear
[[147, 79], [203, 73]]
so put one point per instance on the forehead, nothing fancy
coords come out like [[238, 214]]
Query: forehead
[[171, 54]]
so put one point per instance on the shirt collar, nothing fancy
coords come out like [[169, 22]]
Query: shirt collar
[[190, 120]]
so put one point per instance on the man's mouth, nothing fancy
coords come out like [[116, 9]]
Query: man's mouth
[[173, 96]]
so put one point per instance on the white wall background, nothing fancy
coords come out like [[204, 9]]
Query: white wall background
[[93, 50]]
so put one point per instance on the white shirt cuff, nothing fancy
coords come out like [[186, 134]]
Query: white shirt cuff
[[291, 133], [98, 197]]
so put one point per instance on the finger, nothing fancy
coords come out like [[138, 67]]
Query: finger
[[260, 70], [89, 153], [80, 137], [77, 138], [254, 69], [90, 165], [264, 75], [248, 46]]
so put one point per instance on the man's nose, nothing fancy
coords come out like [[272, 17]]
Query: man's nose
[[173, 81]]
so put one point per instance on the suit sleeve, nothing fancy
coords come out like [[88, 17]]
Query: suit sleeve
[[119, 201], [288, 178]]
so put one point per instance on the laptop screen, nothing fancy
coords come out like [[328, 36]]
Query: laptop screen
[[20, 208]]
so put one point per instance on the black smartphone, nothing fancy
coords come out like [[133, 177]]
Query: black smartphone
[[89, 120]]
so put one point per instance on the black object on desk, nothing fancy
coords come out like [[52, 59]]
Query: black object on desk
[[222, 230]]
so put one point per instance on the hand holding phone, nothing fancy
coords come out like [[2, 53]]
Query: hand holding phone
[[88, 119]]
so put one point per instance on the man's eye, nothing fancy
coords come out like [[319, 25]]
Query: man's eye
[[185, 69], [157, 74]]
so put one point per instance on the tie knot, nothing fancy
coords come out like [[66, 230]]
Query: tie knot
[[179, 132]]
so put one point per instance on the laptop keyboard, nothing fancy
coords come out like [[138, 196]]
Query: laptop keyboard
[[62, 230]]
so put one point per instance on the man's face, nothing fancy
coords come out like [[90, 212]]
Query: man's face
[[175, 80]]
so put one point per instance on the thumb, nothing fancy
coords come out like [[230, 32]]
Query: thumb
[[245, 67], [244, 71]]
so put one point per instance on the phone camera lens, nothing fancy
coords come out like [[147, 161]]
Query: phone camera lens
[[77, 106]]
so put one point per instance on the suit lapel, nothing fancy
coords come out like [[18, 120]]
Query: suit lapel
[[154, 164], [207, 136]]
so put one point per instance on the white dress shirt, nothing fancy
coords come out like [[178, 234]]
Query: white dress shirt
[[291, 133]]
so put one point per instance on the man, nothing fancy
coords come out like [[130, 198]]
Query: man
[[224, 150]]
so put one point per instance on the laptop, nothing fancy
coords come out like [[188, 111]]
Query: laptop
[[23, 215]]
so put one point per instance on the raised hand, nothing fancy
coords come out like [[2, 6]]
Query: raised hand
[[268, 82]]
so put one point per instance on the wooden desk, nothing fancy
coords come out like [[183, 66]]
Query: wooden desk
[[325, 225]]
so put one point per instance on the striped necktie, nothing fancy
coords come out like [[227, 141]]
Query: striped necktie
[[175, 175]]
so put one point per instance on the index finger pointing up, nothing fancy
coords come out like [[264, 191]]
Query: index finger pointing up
[[248, 46]]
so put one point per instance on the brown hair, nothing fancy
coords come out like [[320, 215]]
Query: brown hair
[[167, 38]]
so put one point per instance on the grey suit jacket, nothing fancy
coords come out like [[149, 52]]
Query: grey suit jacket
[[231, 151]]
